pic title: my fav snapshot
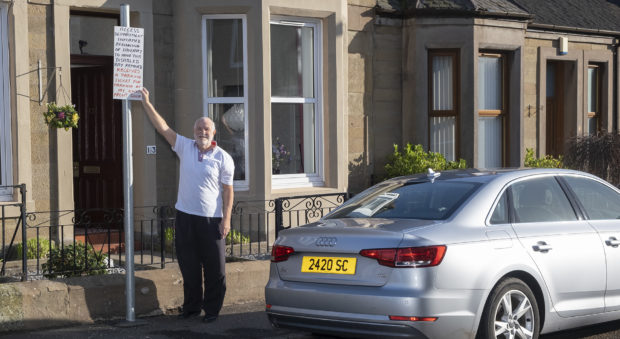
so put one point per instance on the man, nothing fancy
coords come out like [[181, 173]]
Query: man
[[204, 206]]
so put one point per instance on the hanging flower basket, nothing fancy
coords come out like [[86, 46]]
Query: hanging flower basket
[[61, 116]]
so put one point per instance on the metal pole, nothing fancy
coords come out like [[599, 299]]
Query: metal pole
[[128, 194], [40, 82], [22, 191]]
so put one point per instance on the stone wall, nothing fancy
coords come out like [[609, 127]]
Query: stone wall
[[387, 94], [44, 161], [539, 49], [360, 84], [70, 301], [530, 89], [164, 98], [374, 96]]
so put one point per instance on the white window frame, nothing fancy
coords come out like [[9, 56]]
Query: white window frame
[[317, 179], [6, 157], [239, 185]]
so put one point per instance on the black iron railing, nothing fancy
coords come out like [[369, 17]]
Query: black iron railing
[[300, 210], [72, 242], [13, 215]]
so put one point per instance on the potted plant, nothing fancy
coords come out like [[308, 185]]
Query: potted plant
[[61, 116]]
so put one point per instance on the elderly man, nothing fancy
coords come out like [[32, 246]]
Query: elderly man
[[204, 205]]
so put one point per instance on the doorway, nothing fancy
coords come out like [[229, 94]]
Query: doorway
[[561, 105], [555, 108], [97, 143]]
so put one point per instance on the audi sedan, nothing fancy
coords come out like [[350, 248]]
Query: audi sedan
[[458, 254]]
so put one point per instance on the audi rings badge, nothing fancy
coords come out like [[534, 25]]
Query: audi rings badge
[[326, 241]]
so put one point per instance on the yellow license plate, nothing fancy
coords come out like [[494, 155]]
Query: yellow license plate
[[332, 265]]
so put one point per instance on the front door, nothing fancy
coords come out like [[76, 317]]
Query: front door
[[555, 108], [97, 142]]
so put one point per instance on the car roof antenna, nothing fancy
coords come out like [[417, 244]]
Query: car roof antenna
[[432, 175]]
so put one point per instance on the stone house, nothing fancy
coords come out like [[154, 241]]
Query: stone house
[[309, 97]]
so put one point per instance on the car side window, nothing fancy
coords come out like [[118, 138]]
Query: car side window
[[541, 200], [500, 214], [600, 201]]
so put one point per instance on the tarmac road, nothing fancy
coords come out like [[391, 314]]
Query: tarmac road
[[236, 321]]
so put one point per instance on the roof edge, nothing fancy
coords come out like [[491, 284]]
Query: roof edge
[[567, 29], [419, 12]]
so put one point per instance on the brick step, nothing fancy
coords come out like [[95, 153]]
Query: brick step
[[100, 239]]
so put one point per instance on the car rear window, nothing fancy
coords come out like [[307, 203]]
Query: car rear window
[[412, 200]]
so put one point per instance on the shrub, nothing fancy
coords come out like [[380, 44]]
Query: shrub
[[169, 234], [169, 239], [546, 162], [237, 238], [598, 154], [415, 160], [44, 246], [74, 260]]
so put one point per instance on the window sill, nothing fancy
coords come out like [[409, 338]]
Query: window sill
[[283, 181], [7, 196], [241, 186]]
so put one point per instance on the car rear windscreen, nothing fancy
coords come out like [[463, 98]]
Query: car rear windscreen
[[412, 200]]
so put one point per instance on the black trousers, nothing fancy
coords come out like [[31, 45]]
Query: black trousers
[[201, 252]]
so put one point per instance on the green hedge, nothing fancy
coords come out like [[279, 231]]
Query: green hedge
[[545, 162], [413, 159]]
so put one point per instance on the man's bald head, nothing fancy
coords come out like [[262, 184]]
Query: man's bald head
[[204, 131]]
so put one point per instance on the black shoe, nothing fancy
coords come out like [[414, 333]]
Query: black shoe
[[209, 318], [191, 314]]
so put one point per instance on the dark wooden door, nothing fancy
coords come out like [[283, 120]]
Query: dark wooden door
[[97, 142], [555, 109]]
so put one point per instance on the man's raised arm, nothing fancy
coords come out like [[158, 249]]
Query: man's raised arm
[[158, 122]]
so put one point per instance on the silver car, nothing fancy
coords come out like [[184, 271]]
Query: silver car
[[498, 254]]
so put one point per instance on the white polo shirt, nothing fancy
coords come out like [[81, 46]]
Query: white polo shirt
[[200, 180]]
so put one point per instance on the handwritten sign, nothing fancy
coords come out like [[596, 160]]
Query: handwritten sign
[[128, 62]]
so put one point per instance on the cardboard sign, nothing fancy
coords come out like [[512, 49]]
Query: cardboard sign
[[128, 62]]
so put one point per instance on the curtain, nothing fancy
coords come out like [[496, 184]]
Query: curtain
[[442, 83], [443, 136], [489, 83], [489, 142]]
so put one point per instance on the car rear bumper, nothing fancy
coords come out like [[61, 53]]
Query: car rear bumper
[[364, 311], [343, 328]]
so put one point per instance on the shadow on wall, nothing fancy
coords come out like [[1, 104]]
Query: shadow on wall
[[359, 177], [72, 301], [104, 295], [360, 50]]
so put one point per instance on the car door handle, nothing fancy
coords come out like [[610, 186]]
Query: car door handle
[[613, 242], [542, 246]]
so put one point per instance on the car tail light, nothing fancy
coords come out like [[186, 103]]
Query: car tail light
[[281, 253], [405, 318], [408, 256]]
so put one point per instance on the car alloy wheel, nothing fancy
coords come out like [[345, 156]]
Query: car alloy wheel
[[513, 312]]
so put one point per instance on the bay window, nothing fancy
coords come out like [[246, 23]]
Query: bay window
[[6, 178], [443, 102], [225, 87], [296, 133], [491, 115]]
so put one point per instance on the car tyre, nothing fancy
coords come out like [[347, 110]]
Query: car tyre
[[510, 312]]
